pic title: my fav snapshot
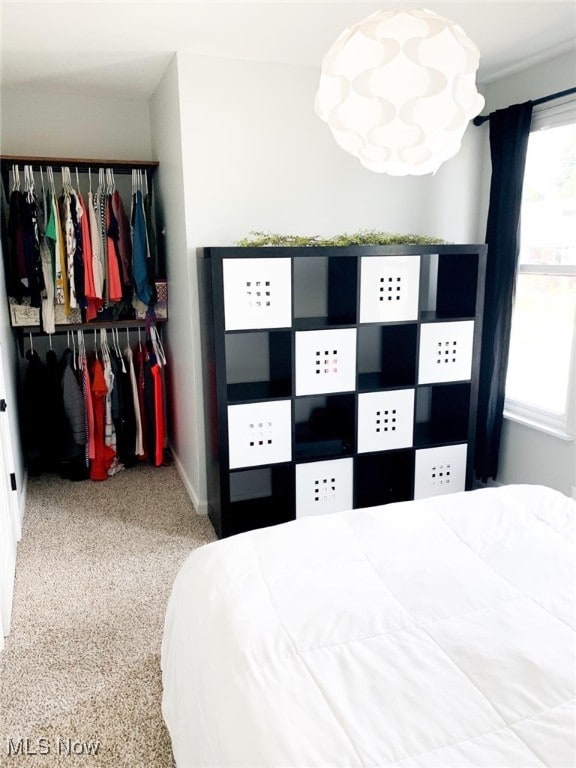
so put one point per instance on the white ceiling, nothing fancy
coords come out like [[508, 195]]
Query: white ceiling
[[123, 47]]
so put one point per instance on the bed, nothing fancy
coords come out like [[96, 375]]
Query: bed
[[438, 632]]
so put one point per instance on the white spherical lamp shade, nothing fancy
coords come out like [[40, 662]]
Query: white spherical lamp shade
[[398, 89]]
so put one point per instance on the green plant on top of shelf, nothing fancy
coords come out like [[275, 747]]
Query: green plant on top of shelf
[[364, 237]]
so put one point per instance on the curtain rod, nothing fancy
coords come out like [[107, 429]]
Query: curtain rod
[[480, 119]]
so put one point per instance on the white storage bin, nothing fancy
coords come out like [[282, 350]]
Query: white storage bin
[[385, 420], [445, 351], [257, 293], [325, 361], [440, 470], [324, 486], [260, 433], [389, 288]]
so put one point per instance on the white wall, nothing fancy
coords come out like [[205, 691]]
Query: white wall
[[256, 157], [259, 158], [528, 455], [39, 123], [182, 332]]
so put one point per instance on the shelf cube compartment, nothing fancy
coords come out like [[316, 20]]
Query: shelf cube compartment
[[259, 433], [389, 288], [325, 361], [442, 414], [325, 291], [324, 426], [383, 478], [323, 487], [457, 285], [445, 351], [258, 365], [257, 293], [440, 470], [386, 356], [385, 420], [260, 497]]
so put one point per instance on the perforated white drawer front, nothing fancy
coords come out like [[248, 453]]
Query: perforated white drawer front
[[257, 293], [389, 288], [259, 433], [325, 361], [323, 487], [445, 351], [385, 420], [440, 470]]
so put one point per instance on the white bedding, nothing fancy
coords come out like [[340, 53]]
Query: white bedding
[[437, 633]]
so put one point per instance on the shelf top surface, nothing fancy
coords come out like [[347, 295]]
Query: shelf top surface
[[228, 252]]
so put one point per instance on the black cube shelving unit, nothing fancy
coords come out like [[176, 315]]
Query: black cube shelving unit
[[337, 377]]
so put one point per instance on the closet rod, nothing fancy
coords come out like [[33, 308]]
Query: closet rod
[[119, 166], [22, 331], [63, 327]]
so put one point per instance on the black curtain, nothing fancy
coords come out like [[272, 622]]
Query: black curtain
[[509, 132]]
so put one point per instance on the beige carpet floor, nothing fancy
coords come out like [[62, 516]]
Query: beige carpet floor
[[80, 681]]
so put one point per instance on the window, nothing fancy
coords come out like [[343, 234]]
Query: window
[[540, 381]]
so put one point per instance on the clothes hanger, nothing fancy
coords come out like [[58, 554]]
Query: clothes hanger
[[50, 177], [157, 345], [116, 338], [15, 178], [81, 349]]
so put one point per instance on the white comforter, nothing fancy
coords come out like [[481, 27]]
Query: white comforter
[[438, 633]]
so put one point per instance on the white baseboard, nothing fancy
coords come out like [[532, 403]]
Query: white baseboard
[[201, 507]]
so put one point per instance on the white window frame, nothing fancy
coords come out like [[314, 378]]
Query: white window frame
[[563, 426]]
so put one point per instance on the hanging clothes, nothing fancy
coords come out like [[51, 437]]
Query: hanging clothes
[[112, 235], [103, 454], [78, 259], [73, 464], [123, 244], [93, 300], [138, 440], [36, 409], [70, 247], [98, 272], [92, 416], [139, 364], [122, 411], [16, 262], [54, 233], [144, 289], [24, 274], [82, 254], [47, 260], [88, 403], [32, 248]]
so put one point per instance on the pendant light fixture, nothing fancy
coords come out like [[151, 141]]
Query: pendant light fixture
[[398, 89]]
